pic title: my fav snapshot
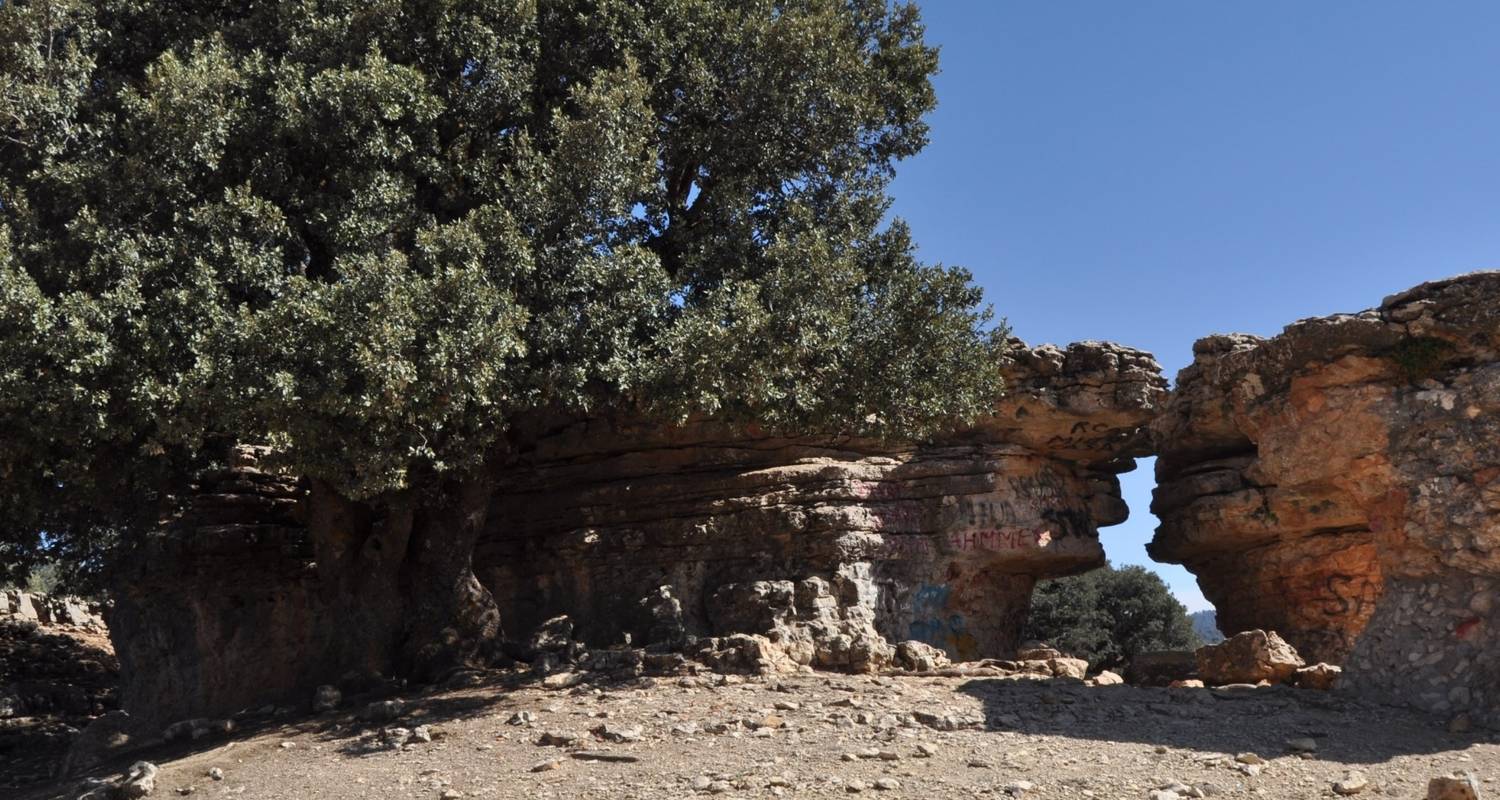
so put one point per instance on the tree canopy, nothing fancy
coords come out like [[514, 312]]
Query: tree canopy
[[1109, 615], [371, 234]]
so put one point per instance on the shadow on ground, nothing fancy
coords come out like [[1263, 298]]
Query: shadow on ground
[[52, 682], [1260, 720]]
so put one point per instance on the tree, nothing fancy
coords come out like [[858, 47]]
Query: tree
[[1109, 615], [373, 235]]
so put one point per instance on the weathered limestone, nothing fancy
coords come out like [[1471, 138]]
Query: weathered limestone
[[1340, 484], [731, 544], [835, 549]]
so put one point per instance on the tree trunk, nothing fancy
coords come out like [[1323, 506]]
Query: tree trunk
[[397, 579]]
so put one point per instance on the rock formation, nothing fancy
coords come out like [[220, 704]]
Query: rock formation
[[826, 551], [1340, 484]]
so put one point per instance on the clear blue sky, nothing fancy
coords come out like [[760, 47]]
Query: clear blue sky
[[1152, 172]]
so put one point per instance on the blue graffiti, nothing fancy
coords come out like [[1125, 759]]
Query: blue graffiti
[[930, 621]]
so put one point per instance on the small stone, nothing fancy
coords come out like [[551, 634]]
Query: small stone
[[1018, 788], [719, 787], [887, 784], [140, 780], [215, 774], [186, 790], [288, 745], [562, 680], [618, 733], [888, 755], [925, 750], [521, 718], [421, 733], [854, 785], [556, 739], [701, 783], [1351, 783], [1249, 758], [451, 794], [327, 698], [1458, 786], [382, 710], [1163, 794]]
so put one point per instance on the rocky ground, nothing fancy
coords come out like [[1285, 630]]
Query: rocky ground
[[53, 681], [827, 735]]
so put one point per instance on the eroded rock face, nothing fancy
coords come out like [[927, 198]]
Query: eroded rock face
[[731, 544], [1340, 484], [832, 548]]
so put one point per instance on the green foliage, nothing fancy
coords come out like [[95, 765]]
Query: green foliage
[[1108, 615], [373, 233], [1420, 357]]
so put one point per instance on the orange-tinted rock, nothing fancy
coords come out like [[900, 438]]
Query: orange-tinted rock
[[747, 549], [1318, 676], [1338, 483], [1248, 657]]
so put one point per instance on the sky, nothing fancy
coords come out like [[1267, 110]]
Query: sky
[[1151, 172]]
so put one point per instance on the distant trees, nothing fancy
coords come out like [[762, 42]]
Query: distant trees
[[1109, 615], [1206, 625]]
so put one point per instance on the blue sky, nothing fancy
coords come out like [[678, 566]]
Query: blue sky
[[1152, 172]]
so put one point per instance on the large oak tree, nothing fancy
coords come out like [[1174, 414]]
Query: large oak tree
[[372, 234]]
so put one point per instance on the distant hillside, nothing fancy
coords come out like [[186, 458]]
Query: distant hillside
[[1206, 625]]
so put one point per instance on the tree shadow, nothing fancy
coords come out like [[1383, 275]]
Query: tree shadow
[[1215, 721], [52, 683]]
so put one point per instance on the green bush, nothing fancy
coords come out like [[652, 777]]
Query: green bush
[[1109, 615]]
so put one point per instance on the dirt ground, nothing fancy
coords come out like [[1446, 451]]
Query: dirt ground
[[822, 735]]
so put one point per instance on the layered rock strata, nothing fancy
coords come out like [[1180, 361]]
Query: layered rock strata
[[834, 549], [1340, 484], [826, 551]]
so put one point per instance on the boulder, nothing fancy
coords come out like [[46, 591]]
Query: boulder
[[1458, 786], [1337, 483], [920, 657], [1320, 676], [1248, 657]]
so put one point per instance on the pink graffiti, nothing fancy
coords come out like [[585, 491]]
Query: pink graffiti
[[994, 540]]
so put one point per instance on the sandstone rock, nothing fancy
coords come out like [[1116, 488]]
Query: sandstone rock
[[1458, 786], [1318, 676], [1107, 678], [618, 733], [1336, 483], [1351, 783], [610, 529], [920, 657], [1248, 657]]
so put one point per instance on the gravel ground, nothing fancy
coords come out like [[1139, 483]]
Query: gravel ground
[[834, 735]]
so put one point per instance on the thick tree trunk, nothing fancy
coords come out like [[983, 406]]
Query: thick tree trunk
[[398, 580]]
